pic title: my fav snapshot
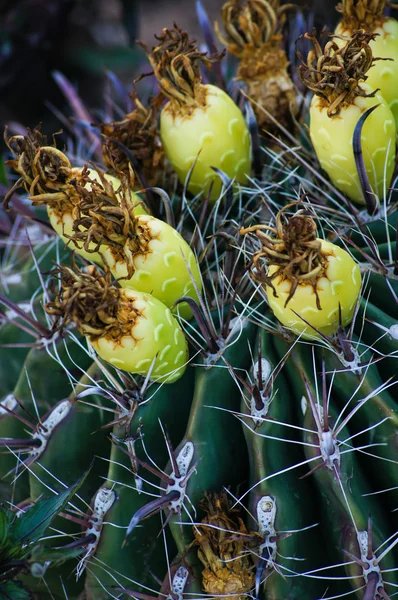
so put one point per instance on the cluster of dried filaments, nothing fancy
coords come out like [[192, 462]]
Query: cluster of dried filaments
[[294, 250], [105, 217], [176, 63], [253, 24], [138, 132], [335, 72], [44, 170], [90, 300], [363, 14], [223, 538], [253, 33]]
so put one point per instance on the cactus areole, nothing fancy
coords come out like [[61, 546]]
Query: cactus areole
[[200, 124], [312, 285], [336, 75], [128, 329]]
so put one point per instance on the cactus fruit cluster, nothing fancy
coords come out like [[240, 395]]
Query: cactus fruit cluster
[[199, 323]]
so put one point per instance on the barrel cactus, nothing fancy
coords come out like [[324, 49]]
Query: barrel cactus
[[198, 372]]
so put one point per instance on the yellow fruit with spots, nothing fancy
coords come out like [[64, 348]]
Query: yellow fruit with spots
[[215, 134], [336, 75], [162, 264], [338, 286], [200, 122], [332, 141], [152, 339], [384, 74], [131, 330]]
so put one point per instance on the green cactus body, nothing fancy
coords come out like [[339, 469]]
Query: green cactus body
[[377, 229], [381, 335], [382, 290], [340, 481], [211, 411], [142, 553], [276, 486], [32, 391], [377, 418]]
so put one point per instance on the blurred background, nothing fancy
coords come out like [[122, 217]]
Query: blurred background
[[82, 38]]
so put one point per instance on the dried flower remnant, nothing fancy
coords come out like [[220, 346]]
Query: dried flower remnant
[[252, 32], [44, 171], [138, 132], [228, 567]]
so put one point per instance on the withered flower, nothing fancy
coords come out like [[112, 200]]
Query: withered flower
[[222, 538], [252, 32], [139, 133]]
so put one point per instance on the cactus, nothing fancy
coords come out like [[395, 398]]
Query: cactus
[[198, 378]]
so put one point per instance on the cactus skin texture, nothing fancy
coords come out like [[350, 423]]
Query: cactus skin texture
[[384, 74], [219, 440]]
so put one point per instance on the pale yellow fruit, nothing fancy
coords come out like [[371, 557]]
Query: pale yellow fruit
[[215, 134], [155, 337], [332, 140], [164, 270], [340, 286]]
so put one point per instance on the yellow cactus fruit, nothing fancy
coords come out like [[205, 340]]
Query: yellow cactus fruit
[[336, 75], [369, 16], [49, 178], [312, 285], [200, 122], [142, 252], [252, 32], [131, 330]]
